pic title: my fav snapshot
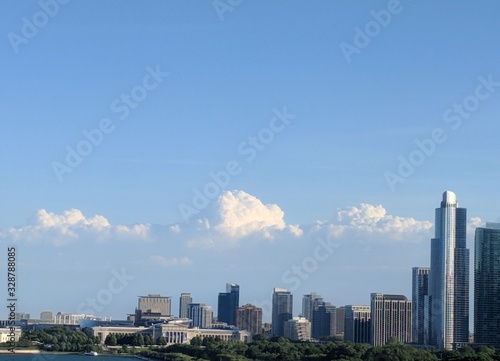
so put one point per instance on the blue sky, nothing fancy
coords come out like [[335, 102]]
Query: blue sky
[[351, 120]]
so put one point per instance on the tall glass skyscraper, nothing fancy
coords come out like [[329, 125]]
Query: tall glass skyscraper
[[420, 305], [228, 302], [487, 285], [449, 276], [282, 310]]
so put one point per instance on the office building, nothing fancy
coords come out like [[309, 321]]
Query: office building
[[184, 302], [155, 304], [390, 317], [282, 310], [340, 321], [323, 320], [449, 276], [249, 318], [420, 305], [487, 285], [201, 315], [298, 329], [357, 325], [308, 302], [228, 303]]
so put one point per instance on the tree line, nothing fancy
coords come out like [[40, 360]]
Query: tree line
[[64, 339], [281, 349], [59, 338]]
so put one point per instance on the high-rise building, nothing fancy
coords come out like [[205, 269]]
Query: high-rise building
[[298, 328], [152, 307], [308, 302], [420, 305], [340, 321], [449, 276], [357, 325], [155, 304], [487, 285], [324, 319], [390, 317], [184, 302], [228, 303], [282, 310], [249, 318], [200, 315]]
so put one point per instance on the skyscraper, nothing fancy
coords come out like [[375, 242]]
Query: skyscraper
[[282, 310], [324, 319], [155, 304], [357, 325], [487, 285], [390, 317], [308, 302], [449, 276], [184, 302], [201, 315], [249, 318], [340, 321], [420, 305], [228, 303]]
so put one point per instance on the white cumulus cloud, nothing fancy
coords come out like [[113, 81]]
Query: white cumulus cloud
[[71, 225], [371, 222], [236, 215]]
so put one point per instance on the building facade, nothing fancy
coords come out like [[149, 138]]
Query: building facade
[[390, 317], [228, 302], [282, 309], [298, 329], [449, 276], [155, 304], [420, 305], [249, 318], [487, 285], [340, 321], [184, 302], [324, 320], [201, 315], [308, 302], [357, 324]]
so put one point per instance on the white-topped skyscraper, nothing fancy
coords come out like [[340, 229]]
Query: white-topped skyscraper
[[449, 276]]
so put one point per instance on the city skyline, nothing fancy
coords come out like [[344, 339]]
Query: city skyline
[[172, 147]]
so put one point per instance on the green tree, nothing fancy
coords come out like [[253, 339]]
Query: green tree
[[161, 341], [111, 340]]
